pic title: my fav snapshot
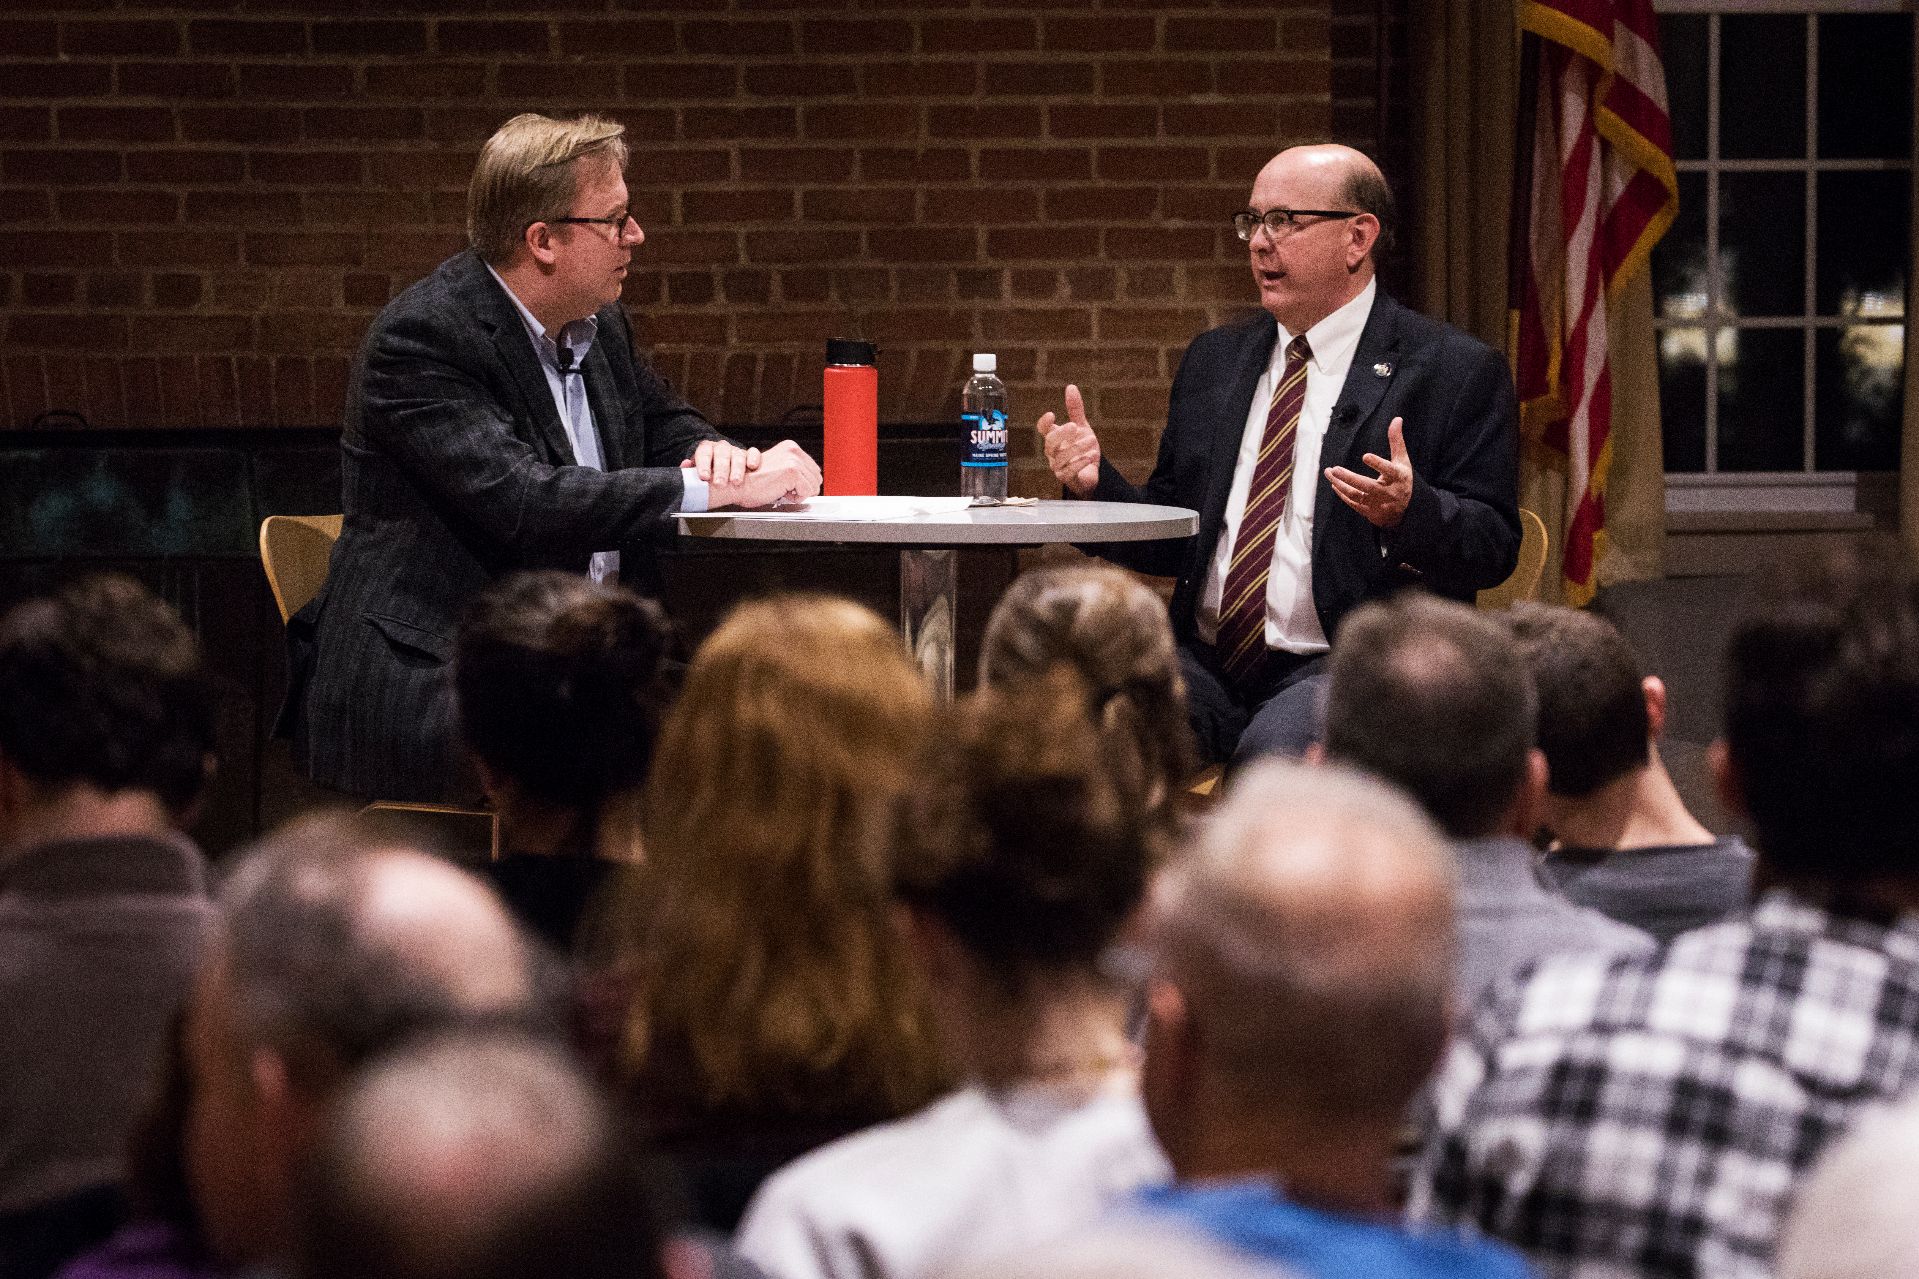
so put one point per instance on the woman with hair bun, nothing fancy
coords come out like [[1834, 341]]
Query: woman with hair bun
[[562, 684], [1020, 859]]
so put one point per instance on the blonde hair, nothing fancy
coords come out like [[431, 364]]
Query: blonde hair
[[527, 172], [770, 972]]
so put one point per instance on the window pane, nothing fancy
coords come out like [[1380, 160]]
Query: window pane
[[1865, 86], [1762, 86], [1865, 239], [1682, 398], [1762, 381], [1762, 242], [1679, 259], [1861, 388], [1682, 45]]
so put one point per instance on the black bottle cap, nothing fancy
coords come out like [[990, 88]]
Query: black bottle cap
[[851, 351]]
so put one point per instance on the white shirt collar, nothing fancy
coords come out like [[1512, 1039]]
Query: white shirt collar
[[578, 335], [1335, 338]]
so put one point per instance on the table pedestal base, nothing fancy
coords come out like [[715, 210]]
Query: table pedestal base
[[929, 587]]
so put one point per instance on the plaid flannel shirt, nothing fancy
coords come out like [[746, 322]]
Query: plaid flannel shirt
[[1649, 1116]]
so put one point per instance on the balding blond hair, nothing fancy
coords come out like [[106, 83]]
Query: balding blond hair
[[529, 171]]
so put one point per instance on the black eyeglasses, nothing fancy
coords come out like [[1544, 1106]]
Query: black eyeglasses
[[1278, 221], [616, 223]]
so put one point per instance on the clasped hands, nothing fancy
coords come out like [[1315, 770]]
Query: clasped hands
[[1073, 454], [750, 478]]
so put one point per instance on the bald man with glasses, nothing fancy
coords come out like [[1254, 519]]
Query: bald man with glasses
[[498, 419], [1338, 448]]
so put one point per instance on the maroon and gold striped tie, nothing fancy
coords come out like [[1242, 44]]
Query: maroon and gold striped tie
[[1242, 605]]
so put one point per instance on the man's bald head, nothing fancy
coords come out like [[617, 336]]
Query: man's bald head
[[1349, 177], [1310, 934]]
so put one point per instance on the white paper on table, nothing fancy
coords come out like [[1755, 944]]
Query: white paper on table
[[868, 510]]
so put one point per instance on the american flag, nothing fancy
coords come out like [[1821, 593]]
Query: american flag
[[1594, 189]]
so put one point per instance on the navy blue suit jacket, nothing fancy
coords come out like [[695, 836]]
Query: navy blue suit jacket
[[1459, 535]]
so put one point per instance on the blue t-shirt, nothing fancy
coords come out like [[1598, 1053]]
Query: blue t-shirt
[[1251, 1217]]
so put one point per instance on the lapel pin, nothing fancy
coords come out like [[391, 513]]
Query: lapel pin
[[1382, 369]]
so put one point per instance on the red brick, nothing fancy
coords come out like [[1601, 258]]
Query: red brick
[[627, 36], [38, 249], [56, 80], [281, 82], [576, 82], [980, 35], [176, 79], [1104, 34], [115, 124], [254, 373], [1220, 35], [366, 288], [926, 284], [1167, 163], [979, 206], [1091, 283], [67, 383], [416, 81], [292, 391], [796, 164], [304, 249], [371, 124], [26, 124], [727, 123], [225, 35], [219, 391], [179, 400], [747, 286], [1025, 79], [1307, 77], [670, 246], [663, 81], [984, 284], [920, 79], [800, 80], [26, 389], [925, 244], [1100, 203], [801, 246], [1035, 284], [18, 206], [920, 164], [866, 122], [181, 333], [329, 389], [144, 39], [392, 38], [49, 290], [1148, 282], [239, 124], [656, 125], [673, 328], [71, 331], [119, 206], [30, 39], [736, 39], [312, 331], [643, 288], [176, 291], [978, 122], [1162, 78], [856, 36], [248, 291], [680, 165], [246, 208], [736, 205], [106, 398], [316, 168], [1210, 203], [1220, 120], [177, 249], [1056, 324], [375, 210], [866, 206], [1121, 323], [1136, 244], [1048, 163], [507, 38], [1088, 121], [689, 288], [1013, 244], [1306, 32]]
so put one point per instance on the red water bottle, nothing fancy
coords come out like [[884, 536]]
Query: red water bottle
[[852, 407]]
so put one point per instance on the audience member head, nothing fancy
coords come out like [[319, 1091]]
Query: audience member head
[[1302, 966], [562, 688], [1021, 856], [529, 170], [103, 703], [1822, 722], [1596, 704], [1852, 1216], [762, 908], [330, 950], [1112, 630], [476, 1155], [1434, 697], [1130, 1249]]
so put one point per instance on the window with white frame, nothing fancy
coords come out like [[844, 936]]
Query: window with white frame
[[1780, 292]]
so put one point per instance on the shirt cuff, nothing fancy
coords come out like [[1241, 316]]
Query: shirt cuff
[[695, 498]]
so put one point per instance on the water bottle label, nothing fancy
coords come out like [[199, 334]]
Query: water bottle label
[[985, 438]]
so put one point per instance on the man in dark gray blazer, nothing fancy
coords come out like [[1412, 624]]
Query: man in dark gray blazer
[[1426, 409], [498, 419]]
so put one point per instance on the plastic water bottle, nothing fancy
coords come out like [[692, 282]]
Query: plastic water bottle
[[983, 412]]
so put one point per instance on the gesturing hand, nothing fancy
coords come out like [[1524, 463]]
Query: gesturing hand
[[1382, 501], [1072, 450]]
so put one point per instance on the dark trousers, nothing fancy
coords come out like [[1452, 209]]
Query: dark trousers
[[1277, 713]]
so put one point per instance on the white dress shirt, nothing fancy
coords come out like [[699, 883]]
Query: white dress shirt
[[1292, 623]]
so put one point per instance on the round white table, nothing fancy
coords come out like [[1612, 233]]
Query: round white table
[[929, 539]]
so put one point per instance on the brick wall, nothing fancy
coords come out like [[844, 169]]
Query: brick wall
[[201, 207]]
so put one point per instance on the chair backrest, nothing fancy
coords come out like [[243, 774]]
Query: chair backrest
[[1524, 583], [295, 550]]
